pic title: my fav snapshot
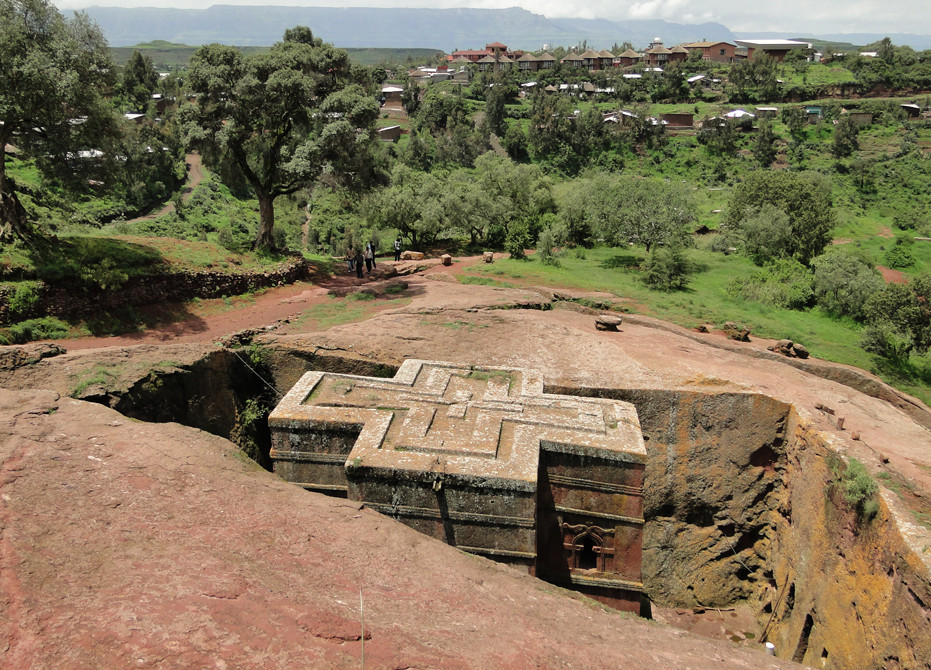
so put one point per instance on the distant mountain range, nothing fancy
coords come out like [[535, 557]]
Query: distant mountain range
[[444, 29]]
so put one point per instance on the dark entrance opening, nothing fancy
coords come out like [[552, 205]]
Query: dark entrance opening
[[587, 558]]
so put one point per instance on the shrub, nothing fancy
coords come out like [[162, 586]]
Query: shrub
[[45, 328], [766, 234], [667, 269], [804, 197], [900, 319], [885, 342], [843, 283], [845, 140], [783, 283], [517, 240], [900, 254], [552, 238], [860, 489], [24, 299], [104, 274]]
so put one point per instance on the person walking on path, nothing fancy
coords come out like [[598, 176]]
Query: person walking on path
[[368, 260], [358, 260], [397, 249], [372, 255], [350, 260]]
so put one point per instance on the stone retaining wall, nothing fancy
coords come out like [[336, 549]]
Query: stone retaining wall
[[69, 300]]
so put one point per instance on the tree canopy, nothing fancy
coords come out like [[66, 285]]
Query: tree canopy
[[804, 197], [139, 80], [283, 119], [644, 211], [53, 71]]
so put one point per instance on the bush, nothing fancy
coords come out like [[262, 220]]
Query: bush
[[804, 197], [885, 342], [900, 319], [845, 140], [104, 274], [552, 239], [783, 283], [24, 299], [860, 489], [515, 142], [667, 269], [900, 254], [45, 328], [843, 283], [766, 234], [517, 240]]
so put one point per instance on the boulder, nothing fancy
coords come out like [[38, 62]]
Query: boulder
[[736, 332], [447, 259], [789, 348], [607, 322], [15, 356], [412, 256], [488, 257]]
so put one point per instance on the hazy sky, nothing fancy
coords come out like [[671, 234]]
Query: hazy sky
[[790, 16]]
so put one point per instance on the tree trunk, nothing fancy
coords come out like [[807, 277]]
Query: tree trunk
[[13, 223], [264, 238]]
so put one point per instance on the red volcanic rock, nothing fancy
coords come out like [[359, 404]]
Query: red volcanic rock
[[126, 544]]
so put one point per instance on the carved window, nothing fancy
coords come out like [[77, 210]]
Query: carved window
[[585, 547]]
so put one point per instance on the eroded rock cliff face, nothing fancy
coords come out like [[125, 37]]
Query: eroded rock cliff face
[[846, 592], [743, 505], [714, 478]]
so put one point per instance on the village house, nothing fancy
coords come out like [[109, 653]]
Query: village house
[[678, 119], [391, 95], [532, 63], [656, 54], [493, 49], [389, 133], [492, 62], [678, 54], [627, 58], [573, 59], [776, 49], [716, 52]]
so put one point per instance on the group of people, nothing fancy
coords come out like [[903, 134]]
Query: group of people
[[355, 258]]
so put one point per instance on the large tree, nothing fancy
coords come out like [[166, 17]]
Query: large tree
[[650, 212], [284, 118], [804, 197], [139, 80], [53, 71]]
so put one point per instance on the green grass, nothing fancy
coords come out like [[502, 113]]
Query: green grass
[[45, 328], [340, 311], [101, 374], [484, 281]]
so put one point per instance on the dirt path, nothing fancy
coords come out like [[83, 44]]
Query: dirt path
[[892, 276], [195, 175], [210, 320]]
